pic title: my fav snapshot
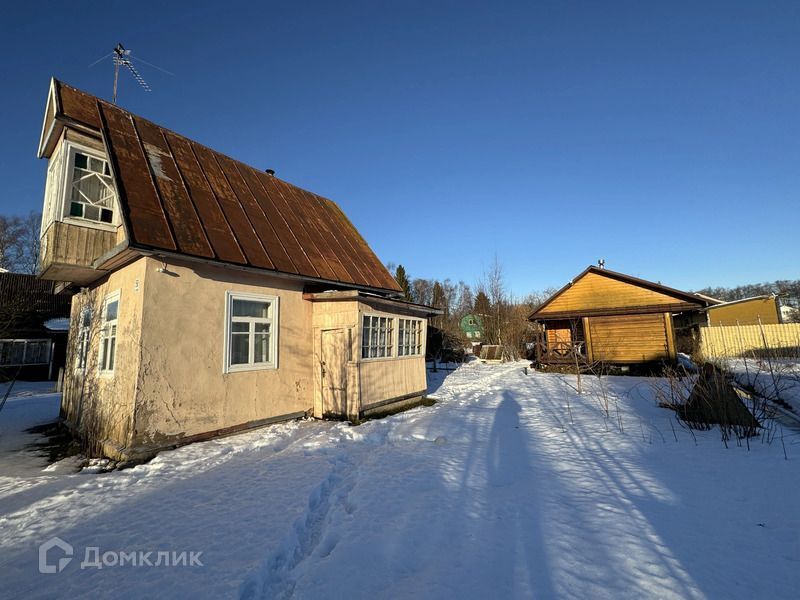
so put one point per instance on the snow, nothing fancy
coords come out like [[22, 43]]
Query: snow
[[57, 324], [510, 486]]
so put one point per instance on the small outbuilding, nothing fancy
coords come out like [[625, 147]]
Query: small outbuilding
[[609, 317], [764, 310]]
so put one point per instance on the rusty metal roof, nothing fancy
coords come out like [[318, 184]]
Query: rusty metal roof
[[180, 196]]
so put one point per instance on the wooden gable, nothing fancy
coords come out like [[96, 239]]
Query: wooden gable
[[601, 292]]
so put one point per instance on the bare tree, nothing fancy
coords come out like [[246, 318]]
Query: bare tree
[[19, 242]]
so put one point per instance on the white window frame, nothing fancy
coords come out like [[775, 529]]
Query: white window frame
[[389, 347], [105, 326], [26, 343], [416, 348], [58, 190], [273, 319], [84, 338]]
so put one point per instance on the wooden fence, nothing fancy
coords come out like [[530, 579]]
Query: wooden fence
[[743, 340]]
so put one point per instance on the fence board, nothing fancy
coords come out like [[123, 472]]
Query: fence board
[[739, 340]]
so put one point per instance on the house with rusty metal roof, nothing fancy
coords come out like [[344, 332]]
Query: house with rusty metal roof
[[215, 297]]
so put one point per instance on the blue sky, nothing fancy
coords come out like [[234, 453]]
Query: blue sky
[[663, 137]]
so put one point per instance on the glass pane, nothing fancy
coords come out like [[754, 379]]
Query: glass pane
[[89, 189], [106, 216], [250, 308], [262, 327], [91, 212], [76, 209], [37, 353], [80, 160], [86, 317], [112, 348], [239, 350], [104, 354], [240, 327], [111, 310], [261, 347], [95, 165]]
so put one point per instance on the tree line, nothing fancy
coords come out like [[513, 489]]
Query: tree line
[[504, 316], [787, 289]]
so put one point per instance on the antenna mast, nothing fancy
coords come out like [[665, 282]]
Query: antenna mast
[[123, 57]]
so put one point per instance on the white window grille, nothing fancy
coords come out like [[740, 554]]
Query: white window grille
[[108, 333], [376, 336], [91, 188], [409, 342], [84, 329], [251, 336]]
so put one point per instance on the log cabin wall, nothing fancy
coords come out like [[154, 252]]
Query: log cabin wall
[[631, 338], [621, 319]]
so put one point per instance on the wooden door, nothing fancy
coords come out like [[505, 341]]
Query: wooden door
[[335, 351]]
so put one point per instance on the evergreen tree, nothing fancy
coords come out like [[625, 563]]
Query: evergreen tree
[[483, 307], [402, 279]]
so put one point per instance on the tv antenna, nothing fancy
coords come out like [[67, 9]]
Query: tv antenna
[[123, 58]]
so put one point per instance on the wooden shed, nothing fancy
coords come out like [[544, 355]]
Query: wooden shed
[[604, 316]]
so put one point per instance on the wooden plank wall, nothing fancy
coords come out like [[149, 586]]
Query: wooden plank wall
[[629, 338], [740, 340], [595, 291], [747, 312], [70, 244]]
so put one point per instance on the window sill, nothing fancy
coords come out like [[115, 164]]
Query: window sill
[[246, 368], [89, 224], [385, 358]]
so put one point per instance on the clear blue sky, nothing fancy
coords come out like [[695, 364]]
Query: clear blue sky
[[663, 137]]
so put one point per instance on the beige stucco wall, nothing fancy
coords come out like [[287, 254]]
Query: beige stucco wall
[[100, 406], [182, 390]]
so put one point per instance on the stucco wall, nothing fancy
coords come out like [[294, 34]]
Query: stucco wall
[[100, 406], [182, 390]]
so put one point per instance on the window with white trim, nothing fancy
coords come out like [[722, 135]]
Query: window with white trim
[[251, 323], [376, 336], [79, 187], [91, 188], [409, 337], [84, 328], [14, 353], [108, 333]]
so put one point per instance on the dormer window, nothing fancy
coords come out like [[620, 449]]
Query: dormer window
[[92, 189], [79, 188]]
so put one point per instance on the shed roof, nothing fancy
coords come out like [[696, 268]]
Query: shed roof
[[682, 300], [178, 196]]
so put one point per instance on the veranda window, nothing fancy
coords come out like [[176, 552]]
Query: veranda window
[[409, 342], [24, 352], [376, 336]]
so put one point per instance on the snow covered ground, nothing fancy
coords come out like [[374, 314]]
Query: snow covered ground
[[773, 378], [511, 486]]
